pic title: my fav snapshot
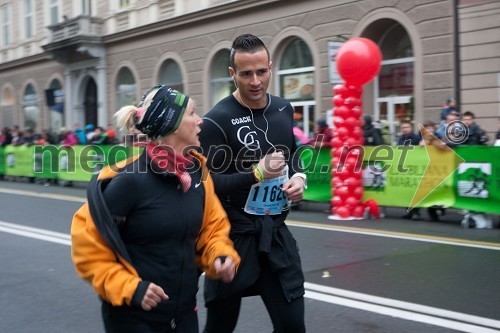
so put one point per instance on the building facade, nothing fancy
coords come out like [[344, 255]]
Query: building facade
[[66, 62]]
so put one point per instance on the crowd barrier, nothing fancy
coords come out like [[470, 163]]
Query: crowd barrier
[[76, 163], [466, 178]]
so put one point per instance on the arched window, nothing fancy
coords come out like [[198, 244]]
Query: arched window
[[125, 88], [30, 108], [7, 108], [171, 76], [394, 84], [220, 81], [296, 82], [55, 102], [7, 97]]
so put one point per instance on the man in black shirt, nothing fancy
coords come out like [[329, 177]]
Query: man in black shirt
[[249, 142], [408, 138]]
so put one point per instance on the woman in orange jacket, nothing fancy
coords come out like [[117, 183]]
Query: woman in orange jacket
[[149, 229]]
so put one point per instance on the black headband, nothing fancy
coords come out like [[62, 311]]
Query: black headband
[[164, 114]]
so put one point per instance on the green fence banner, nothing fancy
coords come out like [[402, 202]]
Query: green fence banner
[[316, 164], [19, 161], [393, 176], [80, 163], [465, 178], [478, 179], [2, 160]]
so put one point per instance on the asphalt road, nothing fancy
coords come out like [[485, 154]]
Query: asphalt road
[[387, 275]]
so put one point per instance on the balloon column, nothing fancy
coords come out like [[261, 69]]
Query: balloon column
[[358, 62]]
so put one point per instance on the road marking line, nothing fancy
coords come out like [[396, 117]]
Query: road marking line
[[423, 309], [399, 235], [384, 306], [46, 235], [312, 225], [44, 195], [403, 314]]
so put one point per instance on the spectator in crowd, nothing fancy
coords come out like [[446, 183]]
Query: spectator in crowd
[[40, 139], [89, 132], [5, 136], [80, 134], [17, 136], [68, 138], [111, 134], [322, 134], [408, 137], [29, 136], [300, 137], [429, 139], [441, 131], [371, 134], [477, 136], [100, 137], [449, 107]]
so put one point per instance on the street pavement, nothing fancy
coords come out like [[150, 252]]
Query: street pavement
[[385, 275]]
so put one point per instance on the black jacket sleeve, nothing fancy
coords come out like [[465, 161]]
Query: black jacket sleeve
[[219, 157]]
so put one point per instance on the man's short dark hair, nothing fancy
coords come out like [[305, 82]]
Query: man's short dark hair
[[469, 114], [246, 43]]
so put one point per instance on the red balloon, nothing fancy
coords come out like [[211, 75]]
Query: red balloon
[[336, 142], [342, 132], [344, 172], [338, 100], [341, 111], [358, 192], [352, 101], [336, 182], [358, 61], [337, 201], [352, 162], [357, 132], [342, 192], [351, 202], [343, 212], [337, 152], [338, 121], [352, 183], [354, 91], [351, 122], [339, 89], [352, 141], [356, 112], [358, 211]]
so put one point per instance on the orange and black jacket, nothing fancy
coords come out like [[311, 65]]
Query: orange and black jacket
[[138, 227]]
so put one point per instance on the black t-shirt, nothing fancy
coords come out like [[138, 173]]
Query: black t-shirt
[[233, 137]]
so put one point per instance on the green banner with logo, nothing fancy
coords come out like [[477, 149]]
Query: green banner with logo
[[478, 179], [465, 178]]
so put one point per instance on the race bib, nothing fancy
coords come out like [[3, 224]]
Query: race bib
[[266, 197]]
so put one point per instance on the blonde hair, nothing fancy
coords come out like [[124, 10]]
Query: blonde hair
[[126, 117]]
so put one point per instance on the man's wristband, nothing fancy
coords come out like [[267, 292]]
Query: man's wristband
[[258, 173]]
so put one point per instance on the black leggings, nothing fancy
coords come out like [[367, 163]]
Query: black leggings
[[120, 322], [287, 317]]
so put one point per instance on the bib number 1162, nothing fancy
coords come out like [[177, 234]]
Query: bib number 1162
[[269, 193]]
